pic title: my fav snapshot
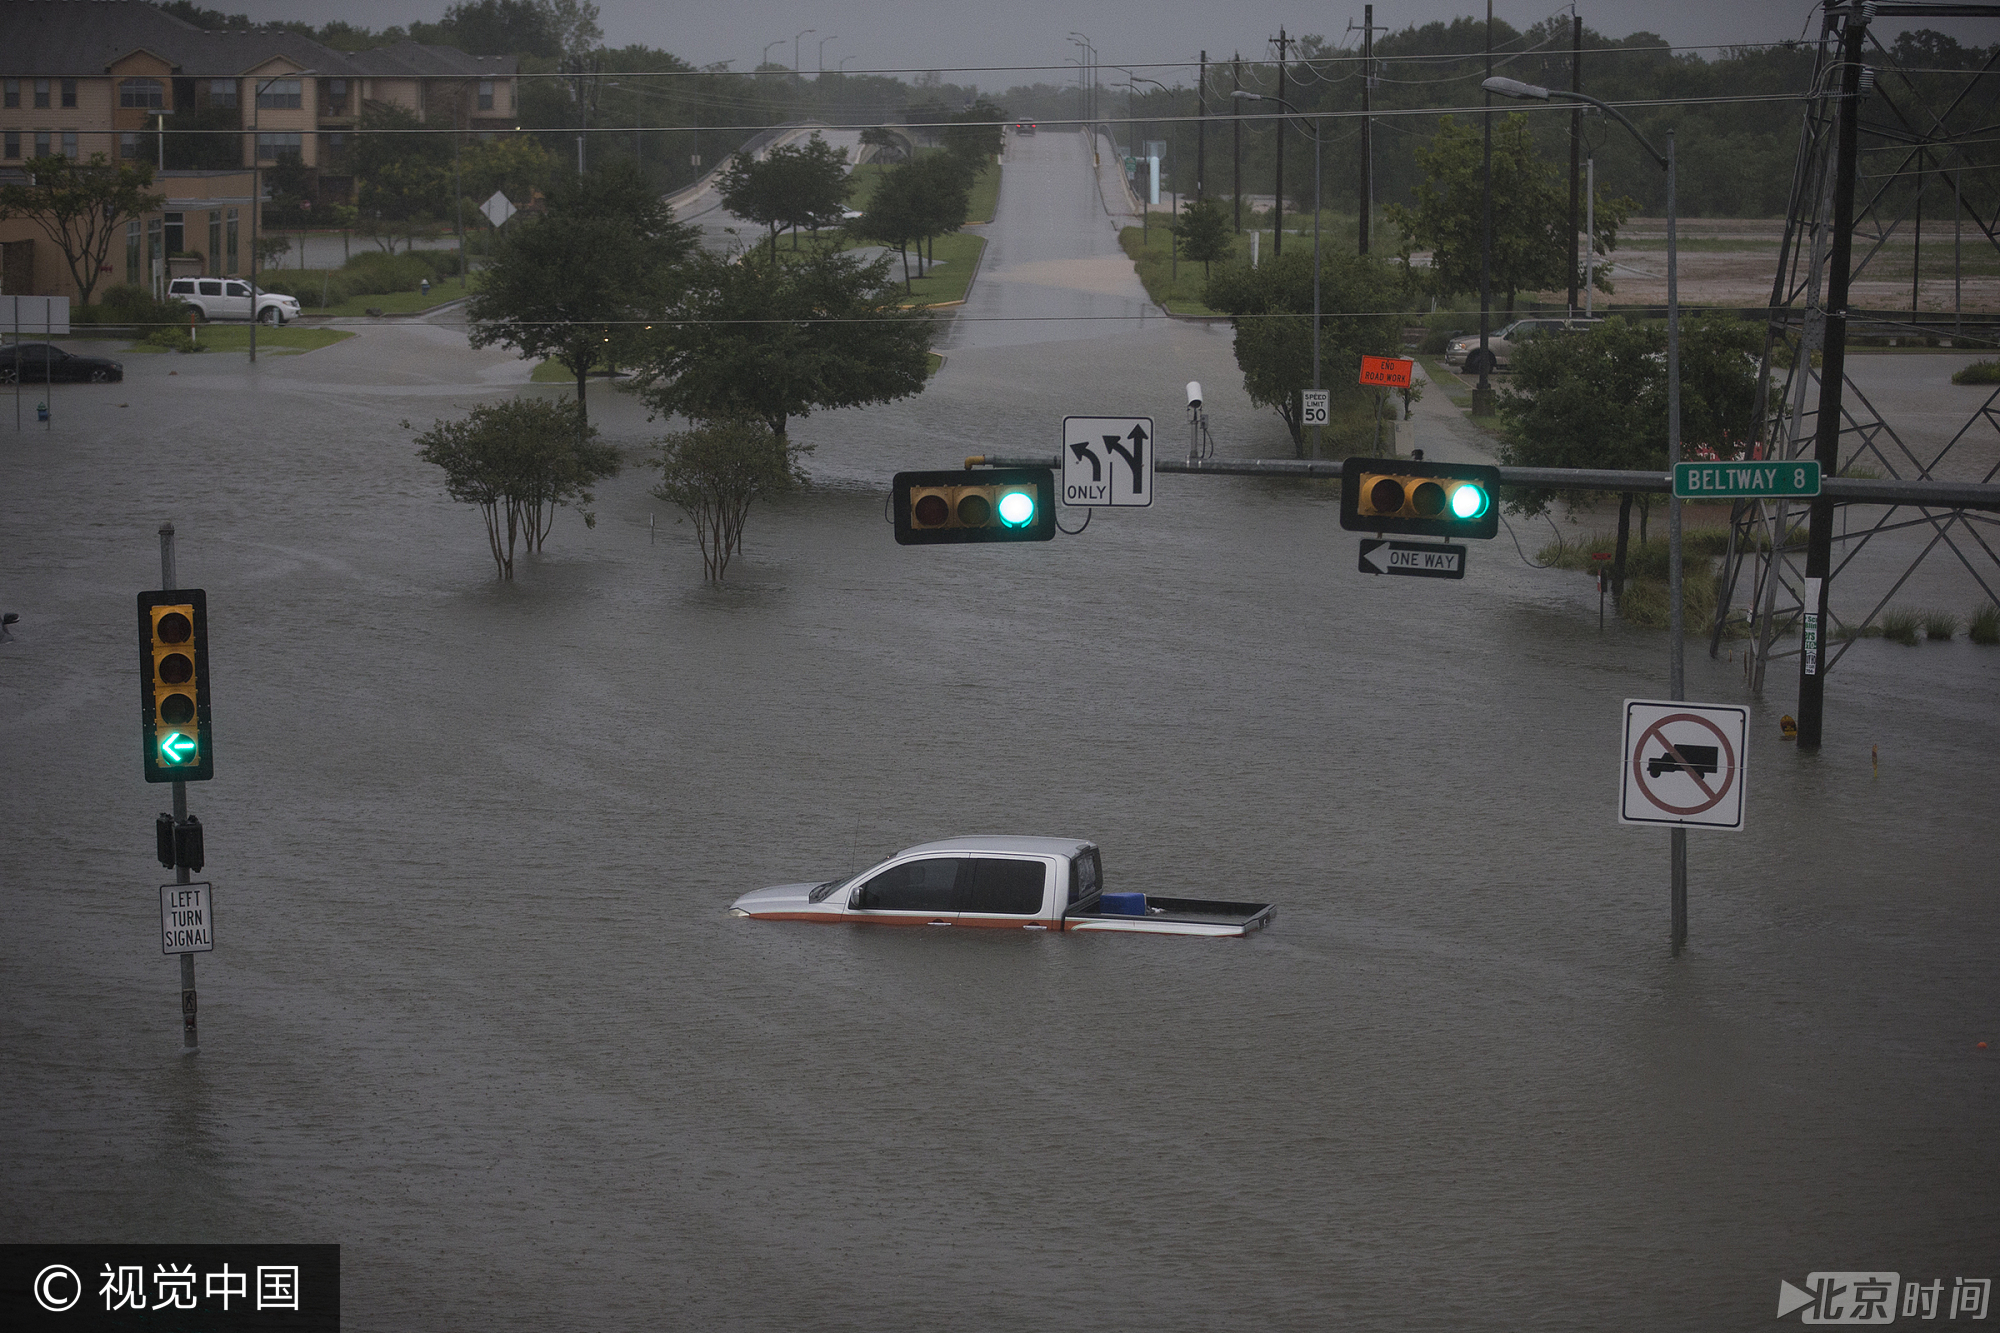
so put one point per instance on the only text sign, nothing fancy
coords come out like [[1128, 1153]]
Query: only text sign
[[187, 919], [1683, 764], [1107, 461], [1387, 372], [1746, 481]]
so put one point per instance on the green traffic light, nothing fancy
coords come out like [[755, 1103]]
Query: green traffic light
[[176, 748], [1017, 508], [1468, 501]]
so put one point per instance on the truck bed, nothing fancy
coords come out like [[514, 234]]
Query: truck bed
[[1178, 916]]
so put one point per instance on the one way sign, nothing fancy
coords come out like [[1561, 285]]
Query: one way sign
[[1107, 461], [1424, 560]]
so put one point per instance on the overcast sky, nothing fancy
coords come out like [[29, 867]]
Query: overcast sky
[[918, 35]]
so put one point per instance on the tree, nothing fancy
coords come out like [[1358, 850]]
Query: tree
[[519, 461], [402, 175], [81, 207], [894, 216], [1530, 212], [976, 133], [762, 341], [714, 472], [1270, 308], [576, 284], [887, 143], [1204, 231], [515, 164], [1598, 399], [795, 185], [502, 28]]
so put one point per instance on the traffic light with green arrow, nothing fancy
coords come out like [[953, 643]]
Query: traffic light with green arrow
[[173, 685]]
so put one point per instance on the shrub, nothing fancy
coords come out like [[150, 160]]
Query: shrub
[[1985, 625], [1901, 627], [173, 340], [313, 287], [129, 305], [1940, 625], [1979, 372]]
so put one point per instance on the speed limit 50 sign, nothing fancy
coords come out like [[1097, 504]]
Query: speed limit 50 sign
[[1683, 764], [1314, 405]]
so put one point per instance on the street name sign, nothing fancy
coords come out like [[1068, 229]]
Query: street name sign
[[1107, 461], [187, 919], [1315, 404], [1747, 481], [1424, 560], [1387, 372], [1683, 764]]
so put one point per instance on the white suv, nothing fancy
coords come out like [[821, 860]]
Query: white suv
[[229, 298], [1501, 344]]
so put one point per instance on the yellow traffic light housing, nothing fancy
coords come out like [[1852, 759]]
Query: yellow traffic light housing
[[983, 505], [1422, 498], [173, 685]]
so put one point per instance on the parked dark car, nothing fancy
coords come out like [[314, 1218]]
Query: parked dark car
[[39, 363]]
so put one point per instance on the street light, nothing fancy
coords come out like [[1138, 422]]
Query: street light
[[1312, 128], [822, 50], [795, 46], [1090, 82], [765, 59], [1676, 660], [257, 186]]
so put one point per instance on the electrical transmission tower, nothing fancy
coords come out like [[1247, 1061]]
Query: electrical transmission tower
[[1924, 136]]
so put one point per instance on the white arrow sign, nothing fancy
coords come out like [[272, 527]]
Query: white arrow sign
[[1107, 461]]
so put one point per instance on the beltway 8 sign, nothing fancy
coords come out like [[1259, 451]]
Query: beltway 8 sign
[[1746, 481], [1107, 461], [1683, 764]]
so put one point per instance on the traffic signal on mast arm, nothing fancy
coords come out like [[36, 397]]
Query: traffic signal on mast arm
[[1426, 499], [173, 685], [1002, 504]]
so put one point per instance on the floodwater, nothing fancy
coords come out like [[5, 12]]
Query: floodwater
[[477, 1014]]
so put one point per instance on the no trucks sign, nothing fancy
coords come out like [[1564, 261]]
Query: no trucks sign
[[1683, 764]]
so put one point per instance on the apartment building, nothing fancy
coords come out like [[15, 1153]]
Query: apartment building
[[80, 77]]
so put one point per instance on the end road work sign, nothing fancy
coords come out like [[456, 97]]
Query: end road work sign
[[1683, 764], [1746, 481]]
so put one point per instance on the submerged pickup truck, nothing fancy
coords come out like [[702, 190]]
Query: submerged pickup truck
[[1004, 883]]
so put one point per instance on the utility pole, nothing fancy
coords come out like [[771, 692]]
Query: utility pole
[[1482, 393], [1236, 137], [1367, 122], [1278, 205], [1575, 143], [1201, 132], [1832, 378]]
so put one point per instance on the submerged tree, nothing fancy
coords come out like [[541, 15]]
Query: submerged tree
[[519, 461], [714, 473]]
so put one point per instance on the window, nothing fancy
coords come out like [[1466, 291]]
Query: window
[[41, 92], [211, 288], [132, 253], [154, 258], [181, 287], [69, 92], [914, 886], [271, 147], [69, 145], [486, 94], [222, 92], [229, 250], [1012, 887], [236, 289], [279, 95], [336, 145], [1085, 876], [42, 143], [128, 146], [336, 97], [215, 243], [13, 145], [176, 233], [145, 93], [13, 92]]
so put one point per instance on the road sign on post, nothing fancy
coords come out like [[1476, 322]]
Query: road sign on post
[[1108, 461], [1683, 764], [1314, 406], [1747, 481], [1386, 372], [187, 918]]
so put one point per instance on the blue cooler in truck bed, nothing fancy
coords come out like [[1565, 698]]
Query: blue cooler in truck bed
[[1122, 904]]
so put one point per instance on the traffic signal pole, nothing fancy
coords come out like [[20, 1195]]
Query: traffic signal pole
[[190, 1042]]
